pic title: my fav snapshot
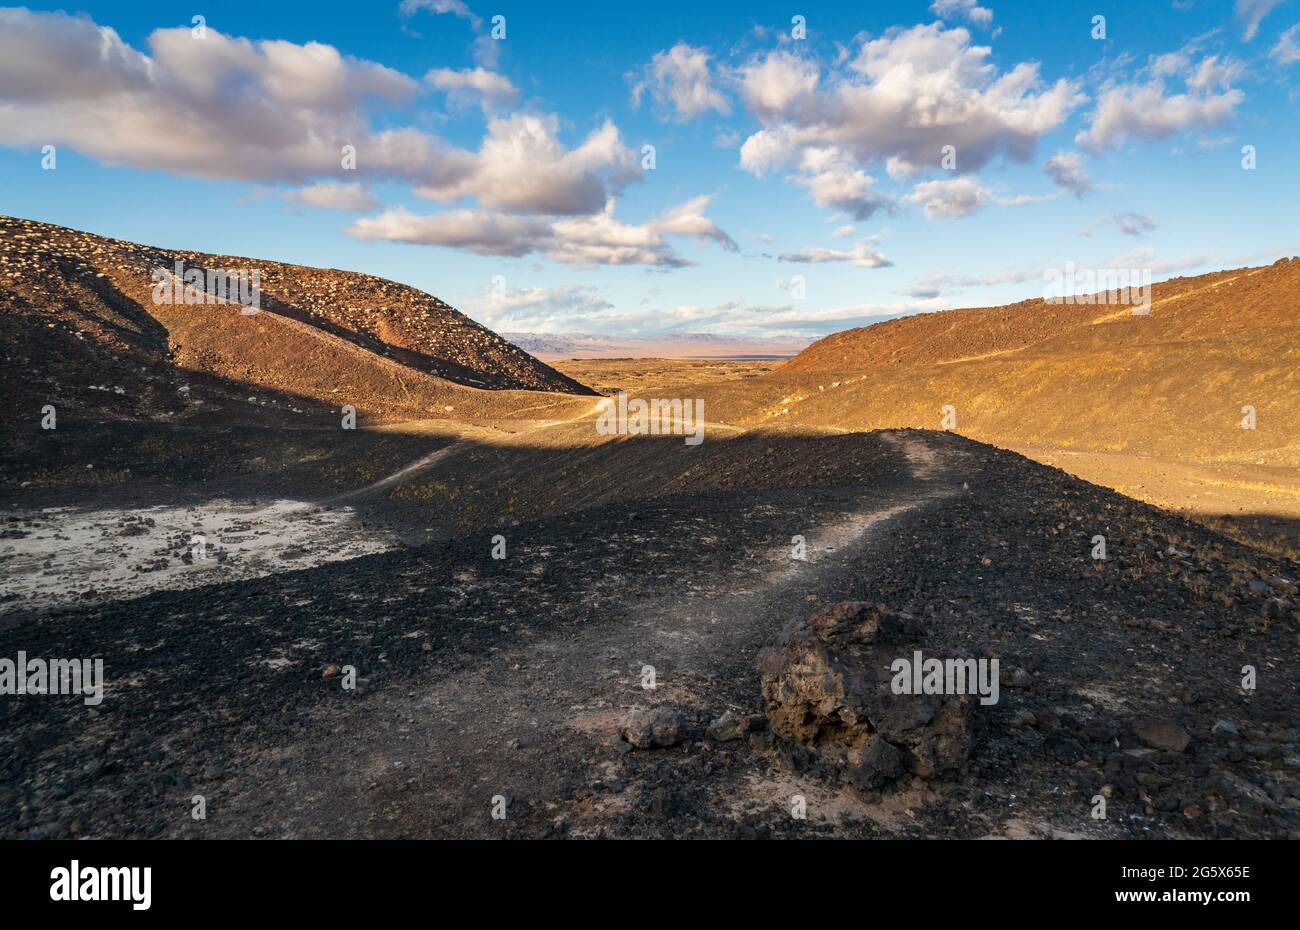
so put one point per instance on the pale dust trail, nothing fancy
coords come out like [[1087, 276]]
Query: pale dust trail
[[560, 691], [426, 462]]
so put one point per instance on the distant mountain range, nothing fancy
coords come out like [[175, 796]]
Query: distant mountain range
[[677, 345]]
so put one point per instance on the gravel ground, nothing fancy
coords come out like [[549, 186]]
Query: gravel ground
[[503, 683]]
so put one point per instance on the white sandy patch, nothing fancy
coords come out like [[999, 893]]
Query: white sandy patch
[[79, 556]]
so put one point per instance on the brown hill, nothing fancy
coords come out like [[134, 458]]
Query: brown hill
[[1092, 377], [1215, 305], [81, 330]]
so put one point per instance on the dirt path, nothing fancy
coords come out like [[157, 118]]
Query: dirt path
[[426, 462], [543, 715], [480, 678]]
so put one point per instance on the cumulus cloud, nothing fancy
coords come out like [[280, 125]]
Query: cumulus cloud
[[1066, 171], [1251, 13], [862, 255], [834, 183], [1287, 49], [352, 197], [597, 239], [481, 231], [522, 167], [777, 84], [948, 199], [898, 99], [216, 107], [962, 9], [902, 97], [843, 232], [474, 84], [1144, 109], [680, 79], [274, 111], [688, 219], [454, 7]]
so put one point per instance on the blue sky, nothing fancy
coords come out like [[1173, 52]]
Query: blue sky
[[799, 184]]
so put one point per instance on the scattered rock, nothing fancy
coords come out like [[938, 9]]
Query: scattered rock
[[1159, 733], [1226, 728], [730, 726], [654, 727], [1023, 720]]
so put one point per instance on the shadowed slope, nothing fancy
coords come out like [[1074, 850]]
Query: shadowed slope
[[82, 331]]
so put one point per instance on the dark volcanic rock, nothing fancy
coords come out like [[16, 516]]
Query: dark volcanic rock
[[1168, 735], [654, 727], [826, 686], [728, 727]]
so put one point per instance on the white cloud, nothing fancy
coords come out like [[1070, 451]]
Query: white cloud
[[522, 167], [732, 317], [216, 107], [862, 255], [688, 219], [1287, 49], [829, 175], [680, 78], [899, 100], [962, 9], [777, 84], [352, 197], [844, 232], [1143, 110], [274, 111], [1251, 13], [1020, 200], [596, 239], [541, 309], [900, 169], [454, 7], [480, 231], [1066, 171], [488, 87], [948, 199]]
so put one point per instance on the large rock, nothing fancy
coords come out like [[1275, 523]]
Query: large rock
[[654, 727], [826, 686]]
